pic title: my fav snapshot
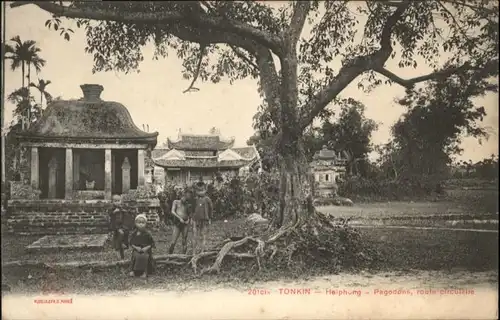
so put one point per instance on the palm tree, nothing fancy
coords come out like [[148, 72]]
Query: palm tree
[[33, 59], [19, 55], [41, 86], [24, 54]]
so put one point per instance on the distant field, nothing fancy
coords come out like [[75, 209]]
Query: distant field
[[457, 203]]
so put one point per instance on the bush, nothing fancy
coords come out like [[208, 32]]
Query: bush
[[23, 191], [253, 193], [234, 196]]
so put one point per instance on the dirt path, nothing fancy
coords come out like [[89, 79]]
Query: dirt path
[[456, 295]]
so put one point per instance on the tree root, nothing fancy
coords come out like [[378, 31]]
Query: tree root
[[231, 245], [287, 242]]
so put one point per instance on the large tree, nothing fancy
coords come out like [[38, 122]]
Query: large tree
[[438, 116], [350, 134], [291, 49]]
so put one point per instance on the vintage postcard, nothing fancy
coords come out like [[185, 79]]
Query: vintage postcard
[[249, 160]]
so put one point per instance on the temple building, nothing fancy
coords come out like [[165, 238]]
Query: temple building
[[86, 149], [194, 157], [327, 168]]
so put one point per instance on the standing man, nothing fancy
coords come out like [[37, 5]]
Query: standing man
[[202, 217]]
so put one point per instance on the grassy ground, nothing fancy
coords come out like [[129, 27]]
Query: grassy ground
[[472, 203], [399, 250]]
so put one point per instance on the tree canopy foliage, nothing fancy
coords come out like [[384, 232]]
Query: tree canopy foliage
[[437, 117], [240, 40], [351, 135]]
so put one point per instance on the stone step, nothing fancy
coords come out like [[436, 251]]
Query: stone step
[[44, 230]]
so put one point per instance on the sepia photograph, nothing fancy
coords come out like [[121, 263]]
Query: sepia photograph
[[250, 159]]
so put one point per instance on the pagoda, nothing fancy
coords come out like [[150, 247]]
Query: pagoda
[[195, 157], [327, 167]]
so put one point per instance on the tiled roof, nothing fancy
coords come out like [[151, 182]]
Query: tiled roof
[[200, 142], [201, 163], [325, 154], [87, 119], [158, 152], [197, 153], [203, 159], [246, 152]]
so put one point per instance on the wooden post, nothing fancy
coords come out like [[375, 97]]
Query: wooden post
[[68, 193], [34, 168], [107, 175], [140, 167], [125, 176], [52, 178]]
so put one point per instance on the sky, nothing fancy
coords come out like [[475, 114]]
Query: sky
[[155, 95]]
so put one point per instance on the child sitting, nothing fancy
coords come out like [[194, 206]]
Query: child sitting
[[142, 244]]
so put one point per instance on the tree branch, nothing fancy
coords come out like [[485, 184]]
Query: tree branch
[[200, 21], [191, 87], [352, 69], [490, 66], [472, 7], [464, 33], [269, 82], [299, 16], [244, 57], [385, 40]]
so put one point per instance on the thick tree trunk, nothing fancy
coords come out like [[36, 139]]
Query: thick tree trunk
[[295, 185]]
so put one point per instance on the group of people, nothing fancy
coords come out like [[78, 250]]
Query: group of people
[[192, 210]]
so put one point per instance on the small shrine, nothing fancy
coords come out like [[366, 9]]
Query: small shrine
[[195, 157], [86, 149], [327, 167]]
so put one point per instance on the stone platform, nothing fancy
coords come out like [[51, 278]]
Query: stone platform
[[92, 242], [59, 217]]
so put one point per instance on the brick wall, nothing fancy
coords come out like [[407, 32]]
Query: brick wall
[[43, 217]]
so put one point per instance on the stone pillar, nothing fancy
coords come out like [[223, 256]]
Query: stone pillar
[[68, 190], [107, 175], [125, 176], [76, 170], [113, 170], [188, 179], [34, 168], [140, 167], [52, 178]]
